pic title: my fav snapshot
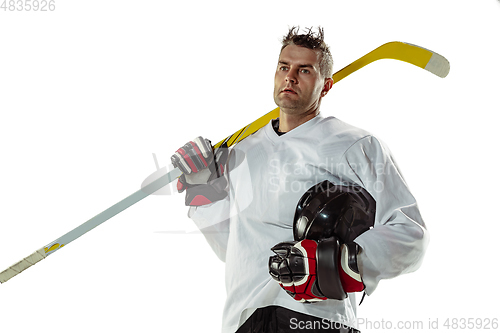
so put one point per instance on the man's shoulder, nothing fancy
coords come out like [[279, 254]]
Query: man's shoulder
[[332, 128]]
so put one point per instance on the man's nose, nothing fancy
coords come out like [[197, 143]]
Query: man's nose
[[290, 77]]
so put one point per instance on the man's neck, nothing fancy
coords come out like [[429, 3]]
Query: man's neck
[[290, 121]]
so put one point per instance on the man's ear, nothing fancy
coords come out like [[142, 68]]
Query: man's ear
[[327, 86]]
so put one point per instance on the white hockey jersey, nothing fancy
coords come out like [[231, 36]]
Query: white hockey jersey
[[267, 176]]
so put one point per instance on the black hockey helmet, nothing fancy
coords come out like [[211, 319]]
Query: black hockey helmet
[[327, 209]]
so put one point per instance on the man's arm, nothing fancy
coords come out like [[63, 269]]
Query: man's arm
[[213, 221], [397, 242], [205, 183]]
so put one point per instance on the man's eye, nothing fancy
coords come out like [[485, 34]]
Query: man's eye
[[305, 71], [283, 68]]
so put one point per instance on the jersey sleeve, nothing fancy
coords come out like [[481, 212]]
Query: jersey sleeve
[[213, 221], [397, 242]]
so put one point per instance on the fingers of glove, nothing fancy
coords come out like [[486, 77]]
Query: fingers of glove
[[288, 270], [204, 145], [179, 161], [274, 267], [280, 270], [304, 292], [283, 249], [297, 288], [294, 267], [294, 263], [193, 156]]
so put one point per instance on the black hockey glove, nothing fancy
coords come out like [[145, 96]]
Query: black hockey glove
[[294, 267], [202, 176], [312, 271]]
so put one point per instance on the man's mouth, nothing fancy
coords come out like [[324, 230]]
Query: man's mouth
[[289, 91]]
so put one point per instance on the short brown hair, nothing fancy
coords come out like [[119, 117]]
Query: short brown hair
[[313, 41]]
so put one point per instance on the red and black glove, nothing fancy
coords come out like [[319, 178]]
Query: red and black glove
[[202, 172], [294, 267], [311, 271]]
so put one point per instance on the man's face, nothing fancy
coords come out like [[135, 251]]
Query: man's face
[[298, 84]]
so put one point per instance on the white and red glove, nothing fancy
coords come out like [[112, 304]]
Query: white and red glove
[[202, 172], [311, 271]]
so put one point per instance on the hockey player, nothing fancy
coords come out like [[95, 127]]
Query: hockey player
[[290, 264]]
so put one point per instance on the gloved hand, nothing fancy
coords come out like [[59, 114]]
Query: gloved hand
[[311, 271], [294, 267], [202, 176]]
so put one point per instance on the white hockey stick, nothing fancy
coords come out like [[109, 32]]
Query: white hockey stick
[[409, 53]]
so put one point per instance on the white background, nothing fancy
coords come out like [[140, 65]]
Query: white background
[[89, 91]]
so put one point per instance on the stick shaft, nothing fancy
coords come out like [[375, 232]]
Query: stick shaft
[[112, 211], [89, 225]]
